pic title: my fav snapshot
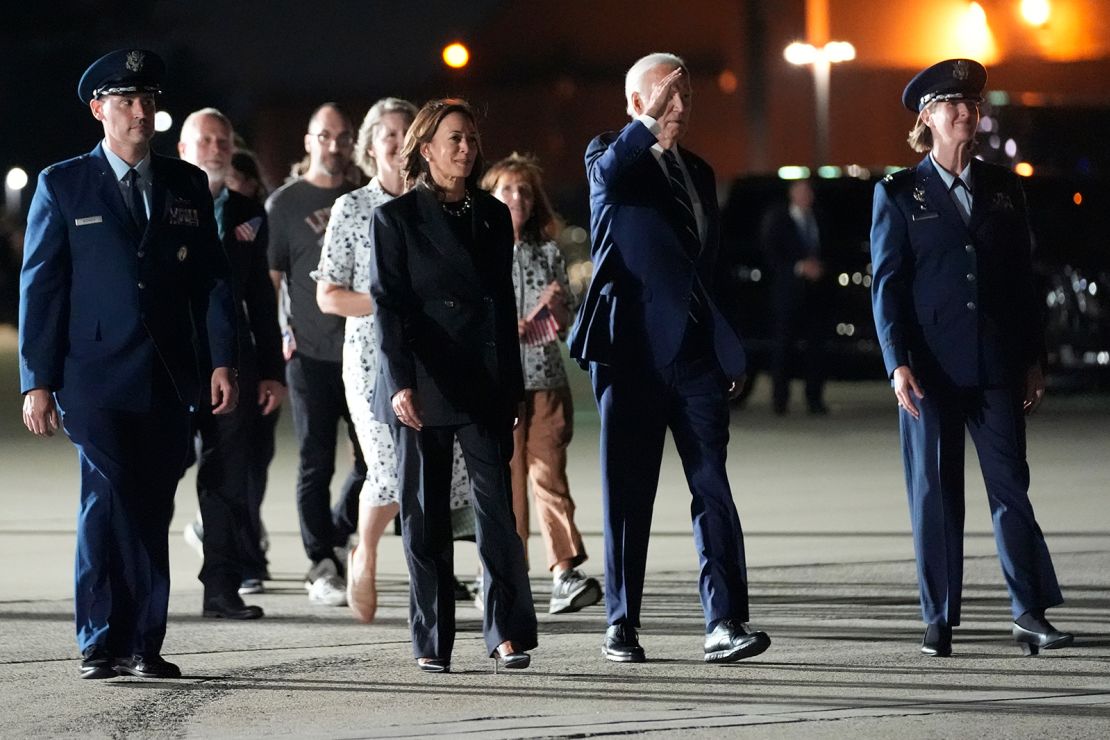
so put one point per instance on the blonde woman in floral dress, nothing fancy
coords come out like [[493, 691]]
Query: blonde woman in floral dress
[[343, 288]]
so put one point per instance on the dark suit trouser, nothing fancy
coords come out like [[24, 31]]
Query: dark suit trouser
[[130, 466], [260, 454], [933, 453], [424, 470], [798, 315], [637, 406], [222, 491], [318, 401]]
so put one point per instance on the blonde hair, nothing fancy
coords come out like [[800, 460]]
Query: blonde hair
[[372, 120], [920, 137], [541, 225]]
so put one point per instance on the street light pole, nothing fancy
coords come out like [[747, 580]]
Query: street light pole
[[820, 60]]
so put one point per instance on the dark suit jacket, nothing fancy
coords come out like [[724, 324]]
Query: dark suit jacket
[[245, 236], [636, 308], [446, 323], [955, 302], [784, 244], [100, 303]]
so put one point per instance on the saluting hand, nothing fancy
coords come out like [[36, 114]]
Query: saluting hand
[[225, 391], [906, 389], [661, 94], [40, 414], [404, 405]]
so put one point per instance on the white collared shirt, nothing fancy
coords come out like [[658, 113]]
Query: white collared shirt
[[121, 168], [657, 152], [961, 196]]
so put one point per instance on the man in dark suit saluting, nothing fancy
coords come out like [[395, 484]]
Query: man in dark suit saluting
[[661, 355], [122, 266], [960, 328]]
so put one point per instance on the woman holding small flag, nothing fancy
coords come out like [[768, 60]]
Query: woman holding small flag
[[544, 307]]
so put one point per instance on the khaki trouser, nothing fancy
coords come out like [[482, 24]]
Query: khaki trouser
[[540, 454]]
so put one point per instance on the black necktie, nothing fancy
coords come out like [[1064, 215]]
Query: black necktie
[[954, 191], [138, 208], [689, 226]]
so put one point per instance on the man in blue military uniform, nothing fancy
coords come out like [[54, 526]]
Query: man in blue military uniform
[[962, 337], [124, 293]]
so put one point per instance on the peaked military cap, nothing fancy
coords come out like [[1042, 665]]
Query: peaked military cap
[[122, 72], [952, 79]]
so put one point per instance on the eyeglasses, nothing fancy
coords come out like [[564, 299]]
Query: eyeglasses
[[326, 137]]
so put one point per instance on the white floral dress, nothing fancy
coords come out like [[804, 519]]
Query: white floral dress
[[345, 261]]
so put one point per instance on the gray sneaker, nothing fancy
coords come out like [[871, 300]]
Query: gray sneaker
[[573, 591], [194, 536], [326, 586]]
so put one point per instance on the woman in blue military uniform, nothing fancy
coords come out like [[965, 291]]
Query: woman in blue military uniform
[[962, 337]]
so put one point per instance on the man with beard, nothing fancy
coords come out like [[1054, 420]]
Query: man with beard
[[299, 213], [231, 545]]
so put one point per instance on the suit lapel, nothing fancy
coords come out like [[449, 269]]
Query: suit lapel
[[434, 228], [936, 194], [110, 195]]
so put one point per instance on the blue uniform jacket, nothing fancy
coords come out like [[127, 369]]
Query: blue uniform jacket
[[635, 311], [954, 302], [100, 302]]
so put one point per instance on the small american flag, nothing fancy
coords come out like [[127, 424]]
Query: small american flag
[[248, 230], [540, 327]]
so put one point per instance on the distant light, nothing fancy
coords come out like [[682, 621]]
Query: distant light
[[995, 141], [986, 123], [867, 281], [1036, 12], [793, 172], [829, 171], [16, 179], [800, 53], [974, 34], [727, 82], [843, 279], [1092, 288], [891, 169], [756, 275], [162, 121], [857, 278], [456, 56], [1103, 358], [1010, 148], [1024, 169], [854, 170], [998, 98], [839, 51], [578, 235], [1077, 199]]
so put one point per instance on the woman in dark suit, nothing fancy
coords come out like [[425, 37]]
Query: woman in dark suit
[[442, 286]]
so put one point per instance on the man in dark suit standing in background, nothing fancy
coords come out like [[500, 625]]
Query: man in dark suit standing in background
[[122, 265], [661, 355], [962, 337], [233, 556], [792, 245]]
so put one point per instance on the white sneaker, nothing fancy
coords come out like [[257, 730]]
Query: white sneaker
[[251, 586], [194, 536], [329, 591]]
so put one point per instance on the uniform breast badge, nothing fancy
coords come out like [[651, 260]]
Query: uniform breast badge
[[182, 253], [1002, 202]]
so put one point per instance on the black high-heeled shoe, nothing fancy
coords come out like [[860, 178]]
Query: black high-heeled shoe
[[1043, 635], [514, 661], [937, 642], [434, 665]]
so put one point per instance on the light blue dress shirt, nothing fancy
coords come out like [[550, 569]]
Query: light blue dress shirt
[[121, 168]]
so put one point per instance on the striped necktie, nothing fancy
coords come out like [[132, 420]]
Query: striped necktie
[[689, 225]]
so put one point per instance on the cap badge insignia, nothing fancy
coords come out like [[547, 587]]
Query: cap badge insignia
[[134, 61], [960, 69], [182, 254]]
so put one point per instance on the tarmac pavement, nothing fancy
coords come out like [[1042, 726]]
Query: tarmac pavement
[[832, 581]]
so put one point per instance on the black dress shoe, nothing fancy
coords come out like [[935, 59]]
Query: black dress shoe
[[230, 606], [621, 645], [937, 642], [147, 666], [96, 662], [730, 641], [1040, 634]]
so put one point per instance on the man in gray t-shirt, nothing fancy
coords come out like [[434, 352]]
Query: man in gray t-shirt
[[298, 215]]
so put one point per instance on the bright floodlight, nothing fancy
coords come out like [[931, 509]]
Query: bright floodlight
[[16, 179], [162, 121], [840, 51], [456, 55], [1036, 12], [799, 53]]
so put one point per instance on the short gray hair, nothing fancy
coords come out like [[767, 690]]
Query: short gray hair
[[372, 120], [635, 75], [192, 119]]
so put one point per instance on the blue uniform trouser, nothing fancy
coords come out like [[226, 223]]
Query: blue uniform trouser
[[637, 406], [130, 466], [933, 452]]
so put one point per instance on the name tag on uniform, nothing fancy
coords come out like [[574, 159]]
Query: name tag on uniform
[[184, 217], [925, 215], [87, 220]]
